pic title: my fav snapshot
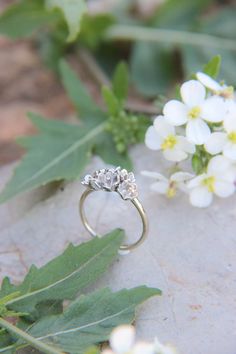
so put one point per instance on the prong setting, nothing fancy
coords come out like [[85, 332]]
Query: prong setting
[[113, 180]]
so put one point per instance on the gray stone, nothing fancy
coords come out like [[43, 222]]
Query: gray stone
[[190, 254]]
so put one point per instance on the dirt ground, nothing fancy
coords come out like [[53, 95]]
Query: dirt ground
[[25, 85]]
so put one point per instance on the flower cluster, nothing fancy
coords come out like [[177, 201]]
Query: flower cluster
[[201, 126], [122, 341]]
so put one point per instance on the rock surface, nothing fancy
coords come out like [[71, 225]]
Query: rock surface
[[190, 254]]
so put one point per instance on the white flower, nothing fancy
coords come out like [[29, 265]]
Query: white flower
[[224, 141], [143, 348], [224, 91], [194, 111], [163, 349], [122, 339], [168, 186], [219, 180], [162, 136]]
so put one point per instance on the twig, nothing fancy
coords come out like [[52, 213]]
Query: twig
[[139, 33]]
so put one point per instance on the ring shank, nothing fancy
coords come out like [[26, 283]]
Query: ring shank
[[138, 206]]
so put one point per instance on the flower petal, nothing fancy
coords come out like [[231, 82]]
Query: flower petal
[[197, 131], [186, 145], [230, 120], [160, 187], [162, 127], [122, 339], [175, 112], [208, 82], [144, 348], [230, 151], [219, 165], [181, 176], [152, 139], [213, 109], [192, 93], [155, 175], [215, 143], [196, 182], [224, 189], [200, 197], [175, 155]]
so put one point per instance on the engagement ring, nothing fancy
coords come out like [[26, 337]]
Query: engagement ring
[[114, 180]]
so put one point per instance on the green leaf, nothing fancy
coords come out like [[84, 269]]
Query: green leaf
[[91, 318], [66, 275], [220, 23], [93, 27], [22, 19], [79, 96], [151, 68], [179, 14], [194, 58], [111, 101], [73, 10], [212, 68], [120, 81], [60, 151], [5, 341], [47, 308]]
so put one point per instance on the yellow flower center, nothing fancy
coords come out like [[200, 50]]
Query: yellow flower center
[[194, 112], [232, 137], [228, 92], [209, 182], [171, 192], [169, 142]]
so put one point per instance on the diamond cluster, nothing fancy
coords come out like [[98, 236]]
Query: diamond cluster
[[113, 179]]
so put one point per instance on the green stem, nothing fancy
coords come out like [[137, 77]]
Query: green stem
[[43, 347], [139, 33]]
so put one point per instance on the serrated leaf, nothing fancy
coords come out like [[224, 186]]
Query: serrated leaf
[[91, 318], [83, 102], [212, 68], [66, 275], [22, 19], [120, 81], [111, 101], [73, 10], [59, 151]]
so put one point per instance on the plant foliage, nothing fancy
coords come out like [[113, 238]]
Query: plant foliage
[[61, 150], [86, 321]]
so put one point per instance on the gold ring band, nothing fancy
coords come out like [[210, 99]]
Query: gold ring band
[[138, 206]]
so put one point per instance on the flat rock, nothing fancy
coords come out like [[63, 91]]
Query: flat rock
[[190, 254]]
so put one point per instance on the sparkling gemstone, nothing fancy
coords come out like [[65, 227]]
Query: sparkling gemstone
[[86, 180], [94, 184], [128, 190], [113, 180], [123, 175], [131, 177]]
